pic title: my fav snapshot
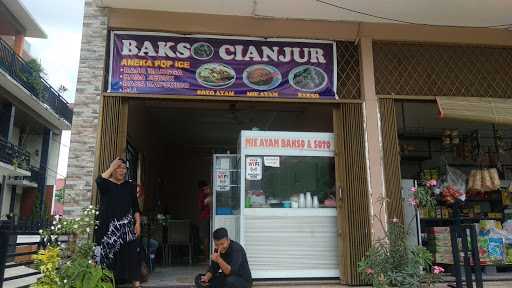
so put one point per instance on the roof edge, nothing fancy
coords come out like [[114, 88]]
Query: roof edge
[[23, 15]]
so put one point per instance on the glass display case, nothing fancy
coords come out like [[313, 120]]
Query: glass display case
[[290, 180], [288, 204], [226, 193]]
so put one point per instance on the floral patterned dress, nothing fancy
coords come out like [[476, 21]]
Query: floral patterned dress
[[115, 234]]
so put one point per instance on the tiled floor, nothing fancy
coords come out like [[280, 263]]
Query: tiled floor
[[183, 276], [19, 282], [174, 276]]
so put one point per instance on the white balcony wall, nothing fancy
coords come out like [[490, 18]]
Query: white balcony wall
[[15, 136], [53, 160], [33, 144], [6, 201]]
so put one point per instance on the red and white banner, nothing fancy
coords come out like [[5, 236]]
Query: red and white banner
[[287, 143]]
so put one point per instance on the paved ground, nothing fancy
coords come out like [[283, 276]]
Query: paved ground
[[486, 285], [183, 276], [19, 282], [174, 276]]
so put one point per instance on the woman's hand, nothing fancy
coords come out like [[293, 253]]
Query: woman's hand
[[115, 164], [137, 230]]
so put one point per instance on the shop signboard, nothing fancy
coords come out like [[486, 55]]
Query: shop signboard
[[223, 180], [160, 63], [273, 143], [253, 169], [272, 161]]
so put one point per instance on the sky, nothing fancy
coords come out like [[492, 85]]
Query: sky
[[59, 54]]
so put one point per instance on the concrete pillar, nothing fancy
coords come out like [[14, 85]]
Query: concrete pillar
[[19, 44], [7, 121], [374, 140], [43, 170], [3, 191], [79, 181], [13, 199]]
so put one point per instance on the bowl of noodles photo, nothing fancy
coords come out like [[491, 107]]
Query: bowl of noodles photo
[[262, 77], [307, 78], [202, 51], [215, 75]]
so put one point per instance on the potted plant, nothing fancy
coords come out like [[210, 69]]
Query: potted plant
[[392, 262], [71, 265], [424, 196]]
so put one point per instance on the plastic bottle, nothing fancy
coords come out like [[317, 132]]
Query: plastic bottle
[[302, 201], [309, 200]]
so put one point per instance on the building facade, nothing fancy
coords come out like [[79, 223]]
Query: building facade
[[378, 64], [33, 116]]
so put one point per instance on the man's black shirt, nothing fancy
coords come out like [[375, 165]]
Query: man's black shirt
[[236, 258]]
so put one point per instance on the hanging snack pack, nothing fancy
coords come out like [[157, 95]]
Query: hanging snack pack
[[455, 186], [495, 178], [471, 180], [487, 184], [482, 181]]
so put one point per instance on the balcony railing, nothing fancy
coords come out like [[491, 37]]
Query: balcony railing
[[33, 178], [18, 69], [14, 155]]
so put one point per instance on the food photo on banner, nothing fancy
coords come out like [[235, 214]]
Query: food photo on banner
[[160, 63]]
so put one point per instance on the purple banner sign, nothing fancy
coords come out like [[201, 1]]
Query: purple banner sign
[[156, 63]]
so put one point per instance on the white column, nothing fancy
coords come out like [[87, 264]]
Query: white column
[[373, 140]]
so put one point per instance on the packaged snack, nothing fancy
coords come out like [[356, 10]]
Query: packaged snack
[[445, 213], [508, 249], [496, 249], [455, 187], [483, 248], [257, 198], [486, 226], [507, 226], [476, 208], [487, 184], [471, 180], [477, 181], [495, 178], [506, 198]]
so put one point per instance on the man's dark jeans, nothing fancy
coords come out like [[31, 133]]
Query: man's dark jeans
[[221, 281]]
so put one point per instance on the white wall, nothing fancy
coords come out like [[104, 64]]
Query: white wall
[[53, 160], [6, 201], [17, 203], [6, 198], [34, 142], [15, 135]]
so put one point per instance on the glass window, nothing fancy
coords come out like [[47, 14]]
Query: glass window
[[226, 186], [278, 182]]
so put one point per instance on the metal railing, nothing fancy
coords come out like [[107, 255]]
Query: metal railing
[[18, 69], [34, 175], [14, 155], [10, 258]]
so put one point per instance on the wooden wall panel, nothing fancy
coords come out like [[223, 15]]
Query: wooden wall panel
[[352, 190], [113, 129], [392, 176]]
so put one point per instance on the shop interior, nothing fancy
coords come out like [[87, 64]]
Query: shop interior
[[474, 154], [171, 148]]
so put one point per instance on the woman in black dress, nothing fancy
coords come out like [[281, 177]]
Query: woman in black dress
[[119, 224]]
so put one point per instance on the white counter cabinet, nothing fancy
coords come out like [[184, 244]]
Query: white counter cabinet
[[291, 243]]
